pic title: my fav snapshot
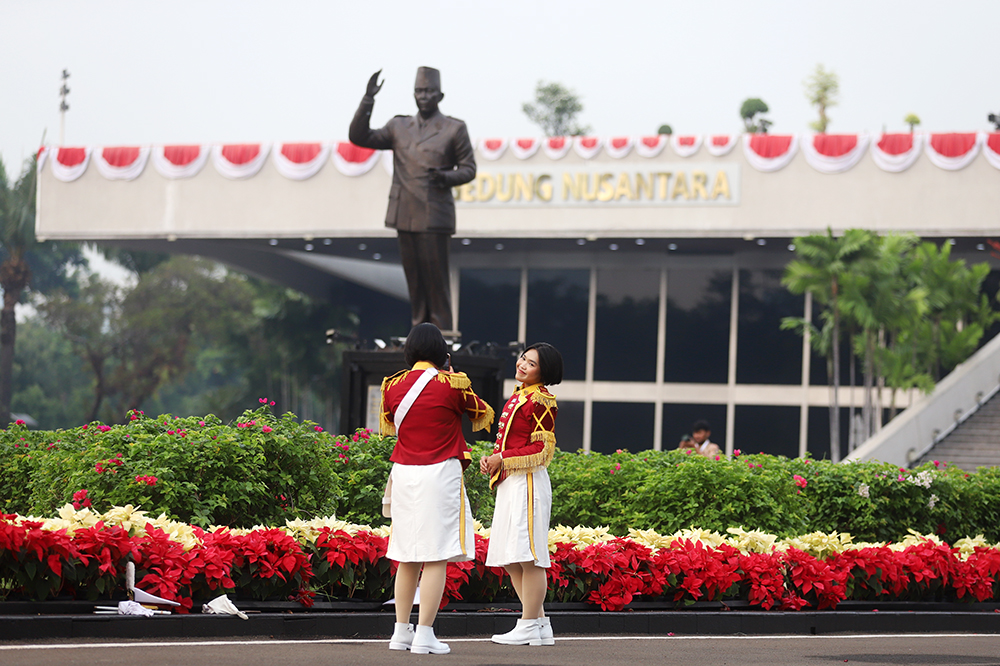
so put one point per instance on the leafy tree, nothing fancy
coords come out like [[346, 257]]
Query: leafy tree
[[665, 129], [822, 88], [750, 111], [912, 120], [19, 256], [51, 383], [555, 110], [824, 261]]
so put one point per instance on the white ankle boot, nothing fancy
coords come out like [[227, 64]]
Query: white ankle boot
[[545, 631], [402, 637], [425, 642], [527, 632]]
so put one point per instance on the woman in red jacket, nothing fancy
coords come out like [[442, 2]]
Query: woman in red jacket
[[431, 518], [519, 536]]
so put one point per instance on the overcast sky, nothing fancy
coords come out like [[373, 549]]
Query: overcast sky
[[218, 71]]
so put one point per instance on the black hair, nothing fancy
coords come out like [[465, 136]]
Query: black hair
[[425, 343], [550, 362], [701, 425]]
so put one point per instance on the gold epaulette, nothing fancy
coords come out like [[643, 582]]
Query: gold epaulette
[[457, 380], [484, 421], [387, 427], [544, 398], [516, 464]]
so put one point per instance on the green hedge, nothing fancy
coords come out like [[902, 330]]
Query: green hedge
[[263, 469]]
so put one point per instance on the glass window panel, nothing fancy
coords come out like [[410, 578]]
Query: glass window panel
[[625, 326], [557, 314], [488, 305], [767, 429], [818, 432], [678, 419], [569, 425], [765, 354], [697, 335], [621, 425]]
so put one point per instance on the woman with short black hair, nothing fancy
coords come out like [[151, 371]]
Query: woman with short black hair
[[431, 517], [519, 536]]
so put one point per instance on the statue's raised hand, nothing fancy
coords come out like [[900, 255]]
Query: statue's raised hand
[[373, 85]]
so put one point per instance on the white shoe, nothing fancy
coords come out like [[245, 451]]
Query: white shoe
[[425, 642], [402, 637], [545, 631], [527, 632]]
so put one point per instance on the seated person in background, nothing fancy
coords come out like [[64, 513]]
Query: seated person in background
[[698, 440]]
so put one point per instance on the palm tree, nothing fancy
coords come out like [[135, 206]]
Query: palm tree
[[823, 263]]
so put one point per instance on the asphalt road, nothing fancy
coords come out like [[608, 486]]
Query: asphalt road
[[866, 650]]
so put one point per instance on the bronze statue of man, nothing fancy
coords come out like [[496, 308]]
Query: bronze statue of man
[[431, 153]]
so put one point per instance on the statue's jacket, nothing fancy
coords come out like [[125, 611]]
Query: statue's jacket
[[439, 142]]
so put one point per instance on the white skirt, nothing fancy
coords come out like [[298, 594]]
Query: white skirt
[[520, 531], [431, 517]]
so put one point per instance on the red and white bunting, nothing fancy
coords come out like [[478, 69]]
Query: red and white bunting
[[492, 149], [525, 148], [352, 160], [556, 147], [720, 144], [239, 160], [300, 161], [685, 146], [183, 161], [121, 162], [68, 164], [991, 149], [618, 146], [41, 156], [896, 153], [651, 146], [835, 153], [586, 146], [953, 151], [769, 152]]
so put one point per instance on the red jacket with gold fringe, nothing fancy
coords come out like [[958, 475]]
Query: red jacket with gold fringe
[[432, 429], [526, 438]]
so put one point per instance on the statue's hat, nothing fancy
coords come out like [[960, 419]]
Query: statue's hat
[[428, 77]]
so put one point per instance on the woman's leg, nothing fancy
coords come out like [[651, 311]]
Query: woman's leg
[[534, 585], [431, 589], [515, 572], [407, 576]]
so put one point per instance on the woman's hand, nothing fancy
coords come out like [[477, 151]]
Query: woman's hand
[[490, 465]]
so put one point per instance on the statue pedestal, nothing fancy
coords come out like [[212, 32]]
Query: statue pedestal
[[364, 371]]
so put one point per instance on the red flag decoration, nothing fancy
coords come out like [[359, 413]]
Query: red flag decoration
[[685, 146], [618, 147], [492, 149], [651, 146], [769, 152], [720, 144], [239, 160], [991, 149], [953, 151], [70, 163], [556, 147], [352, 160], [524, 148], [183, 161], [586, 146], [300, 161], [896, 152], [121, 162], [835, 153], [41, 156]]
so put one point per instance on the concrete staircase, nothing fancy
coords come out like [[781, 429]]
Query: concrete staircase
[[975, 442]]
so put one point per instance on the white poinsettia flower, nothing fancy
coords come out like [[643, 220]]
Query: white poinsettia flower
[[127, 517]]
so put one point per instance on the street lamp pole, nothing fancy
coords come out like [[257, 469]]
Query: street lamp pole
[[63, 106]]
